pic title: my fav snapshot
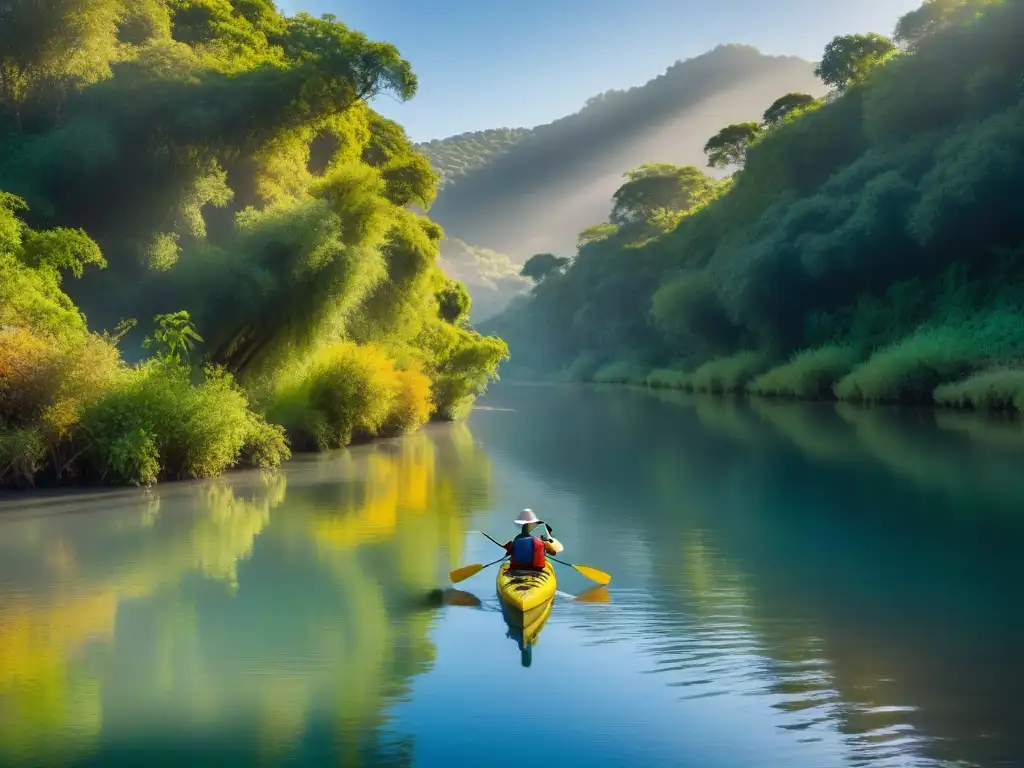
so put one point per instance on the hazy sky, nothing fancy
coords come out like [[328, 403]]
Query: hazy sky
[[510, 63]]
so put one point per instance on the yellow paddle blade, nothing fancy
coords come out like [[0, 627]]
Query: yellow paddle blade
[[593, 574], [598, 594], [463, 573]]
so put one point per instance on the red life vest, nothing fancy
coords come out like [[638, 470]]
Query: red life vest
[[527, 552]]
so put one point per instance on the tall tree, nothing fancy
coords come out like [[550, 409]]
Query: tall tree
[[848, 58], [933, 15], [541, 266], [784, 106], [729, 146], [657, 186]]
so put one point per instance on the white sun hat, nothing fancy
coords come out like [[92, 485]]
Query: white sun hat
[[527, 516]]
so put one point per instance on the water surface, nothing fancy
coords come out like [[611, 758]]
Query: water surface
[[793, 585]]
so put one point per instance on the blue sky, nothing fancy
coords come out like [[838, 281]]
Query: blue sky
[[510, 63]]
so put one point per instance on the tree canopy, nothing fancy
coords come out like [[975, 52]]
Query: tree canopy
[[878, 222], [729, 146], [541, 266], [786, 105], [848, 58], [221, 161]]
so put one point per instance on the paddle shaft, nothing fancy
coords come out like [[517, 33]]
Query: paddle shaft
[[606, 578], [461, 574]]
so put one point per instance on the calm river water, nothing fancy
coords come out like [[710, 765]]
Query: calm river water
[[793, 585]]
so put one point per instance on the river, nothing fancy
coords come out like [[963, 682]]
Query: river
[[792, 585]]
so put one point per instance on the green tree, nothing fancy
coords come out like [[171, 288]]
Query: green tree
[[595, 233], [784, 106], [729, 146], [454, 302], [848, 58], [655, 187], [175, 336], [368, 68], [933, 15], [541, 266]]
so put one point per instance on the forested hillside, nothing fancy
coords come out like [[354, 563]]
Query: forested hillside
[[559, 177], [868, 246], [210, 171], [456, 155]]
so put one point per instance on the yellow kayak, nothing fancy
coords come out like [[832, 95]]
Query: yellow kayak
[[526, 590]]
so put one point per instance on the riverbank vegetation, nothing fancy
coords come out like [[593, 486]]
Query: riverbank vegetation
[[867, 247], [211, 172]]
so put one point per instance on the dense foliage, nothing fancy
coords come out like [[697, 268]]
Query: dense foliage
[[870, 243], [218, 160]]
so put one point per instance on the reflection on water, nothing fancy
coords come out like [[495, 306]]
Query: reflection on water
[[258, 617], [792, 585], [855, 571]]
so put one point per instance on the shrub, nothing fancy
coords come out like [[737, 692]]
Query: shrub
[[620, 373], [910, 370], [348, 392], [728, 374], [353, 388], [22, 455], [668, 378], [412, 405], [460, 363], [28, 376], [999, 389], [155, 423], [582, 369], [810, 373], [45, 383]]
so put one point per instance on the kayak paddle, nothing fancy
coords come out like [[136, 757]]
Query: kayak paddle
[[463, 573], [591, 573]]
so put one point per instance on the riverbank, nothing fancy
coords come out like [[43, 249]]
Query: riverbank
[[935, 366], [288, 295], [73, 412]]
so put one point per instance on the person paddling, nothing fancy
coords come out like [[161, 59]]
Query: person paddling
[[528, 552]]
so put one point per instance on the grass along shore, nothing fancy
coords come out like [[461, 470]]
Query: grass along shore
[[973, 363]]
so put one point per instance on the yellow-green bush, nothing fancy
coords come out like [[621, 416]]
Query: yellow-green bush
[[998, 389], [154, 423], [810, 373], [45, 383], [351, 392], [413, 403], [353, 388], [28, 379], [669, 378], [460, 363], [729, 374], [73, 407]]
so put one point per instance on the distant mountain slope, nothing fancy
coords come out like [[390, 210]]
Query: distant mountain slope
[[558, 178], [454, 156]]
